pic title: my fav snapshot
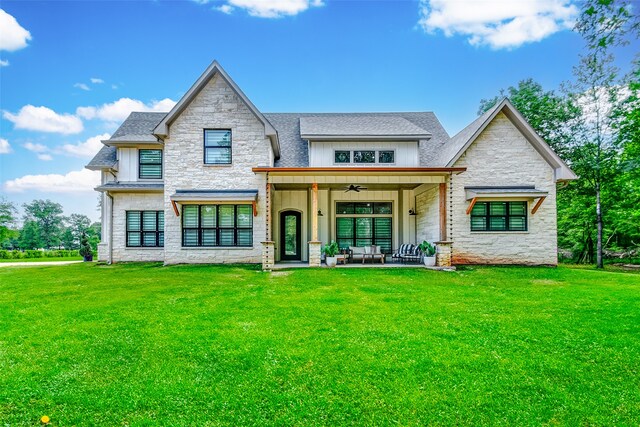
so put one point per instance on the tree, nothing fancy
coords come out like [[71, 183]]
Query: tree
[[8, 214], [30, 236], [603, 24], [48, 217], [76, 226]]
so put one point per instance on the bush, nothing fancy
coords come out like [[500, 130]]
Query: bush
[[57, 253]]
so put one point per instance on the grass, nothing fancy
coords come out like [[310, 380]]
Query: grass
[[143, 344], [43, 259]]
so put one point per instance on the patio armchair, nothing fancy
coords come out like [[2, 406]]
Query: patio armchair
[[408, 253]]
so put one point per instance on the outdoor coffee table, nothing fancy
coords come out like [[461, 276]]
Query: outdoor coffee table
[[373, 257]]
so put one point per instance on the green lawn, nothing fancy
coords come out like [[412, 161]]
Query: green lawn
[[199, 345]]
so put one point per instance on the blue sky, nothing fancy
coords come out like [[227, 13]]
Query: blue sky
[[71, 71]]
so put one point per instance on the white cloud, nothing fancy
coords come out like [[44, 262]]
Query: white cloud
[[114, 86], [87, 148], [498, 24], [45, 157], [5, 147], [44, 119], [36, 148], [13, 36], [82, 181], [225, 8], [267, 8], [96, 81], [4, 63], [81, 86], [120, 109]]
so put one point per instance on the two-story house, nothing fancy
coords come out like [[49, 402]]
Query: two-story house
[[215, 180]]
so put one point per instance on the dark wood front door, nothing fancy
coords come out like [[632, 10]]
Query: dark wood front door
[[290, 238]]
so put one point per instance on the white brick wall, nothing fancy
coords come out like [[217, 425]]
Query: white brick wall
[[123, 202], [428, 215], [502, 156], [215, 107]]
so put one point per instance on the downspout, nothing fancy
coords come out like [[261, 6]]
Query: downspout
[[110, 258]]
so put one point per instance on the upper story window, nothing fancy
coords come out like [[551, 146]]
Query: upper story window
[[364, 157], [499, 216], [150, 164], [217, 147]]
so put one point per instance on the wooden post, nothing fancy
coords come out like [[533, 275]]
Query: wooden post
[[443, 211], [314, 212], [267, 210]]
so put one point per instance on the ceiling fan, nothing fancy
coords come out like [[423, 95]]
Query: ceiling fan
[[355, 188]]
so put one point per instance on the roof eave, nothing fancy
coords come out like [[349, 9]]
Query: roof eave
[[347, 137]]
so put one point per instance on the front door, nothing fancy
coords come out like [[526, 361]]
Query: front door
[[290, 239]]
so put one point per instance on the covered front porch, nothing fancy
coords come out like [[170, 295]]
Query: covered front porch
[[356, 207]]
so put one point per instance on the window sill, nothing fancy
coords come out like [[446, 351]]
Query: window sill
[[206, 165], [500, 232], [208, 248], [146, 248]]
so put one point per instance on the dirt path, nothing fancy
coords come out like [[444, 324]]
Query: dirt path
[[36, 263]]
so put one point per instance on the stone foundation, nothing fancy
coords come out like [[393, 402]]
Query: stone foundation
[[315, 248], [443, 254], [268, 256]]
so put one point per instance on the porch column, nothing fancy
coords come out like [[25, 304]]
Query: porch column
[[443, 211], [268, 246], [314, 244]]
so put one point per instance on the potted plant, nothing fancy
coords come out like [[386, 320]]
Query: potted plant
[[428, 253], [85, 248], [330, 251]]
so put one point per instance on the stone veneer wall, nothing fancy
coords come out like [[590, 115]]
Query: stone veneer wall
[[428, 215], [215, 107], [123, 202], [501, 156]]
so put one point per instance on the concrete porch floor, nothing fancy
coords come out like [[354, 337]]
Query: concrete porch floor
[[288, 265]]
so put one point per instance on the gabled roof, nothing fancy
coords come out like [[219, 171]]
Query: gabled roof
[[162, 128], [453, 150], [352, 126], [295, 148]]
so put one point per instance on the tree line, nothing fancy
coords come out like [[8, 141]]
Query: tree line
[[44, 227], [593, 123]]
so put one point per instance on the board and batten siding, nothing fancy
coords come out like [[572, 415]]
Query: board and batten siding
[[127, 164], [321, 153]]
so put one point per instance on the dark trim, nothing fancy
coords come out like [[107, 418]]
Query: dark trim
[[217, 191], [217, 228], [506, 216], [298, 254], [204, 147], [142, 231], [140, 150]]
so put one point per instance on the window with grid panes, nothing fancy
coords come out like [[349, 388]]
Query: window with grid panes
[[364, 224], [145, 228], [217, 225], [499, 216], [217, 146], [150, 164]]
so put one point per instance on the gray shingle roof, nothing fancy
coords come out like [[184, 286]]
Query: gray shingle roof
[[359, 125], [137, 127], [294, 149], [114, 186]]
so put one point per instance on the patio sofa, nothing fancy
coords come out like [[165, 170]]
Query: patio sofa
[[408, 253]]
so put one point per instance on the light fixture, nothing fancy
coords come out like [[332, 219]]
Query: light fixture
[[320, 213], [412, 212]]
